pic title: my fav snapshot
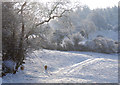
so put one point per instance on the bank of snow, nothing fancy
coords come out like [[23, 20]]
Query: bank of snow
[[67, 67]]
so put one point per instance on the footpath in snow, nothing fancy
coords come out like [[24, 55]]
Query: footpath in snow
[[67, 67]]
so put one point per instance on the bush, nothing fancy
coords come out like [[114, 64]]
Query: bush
[[68, 44], [76, 38], [102, 44]]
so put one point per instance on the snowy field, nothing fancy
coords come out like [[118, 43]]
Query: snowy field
[[67, 67]]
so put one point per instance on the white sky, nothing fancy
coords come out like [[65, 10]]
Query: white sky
[[93, 3], [98, 3]]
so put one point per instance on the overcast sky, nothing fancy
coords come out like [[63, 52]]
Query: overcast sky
[[94, 3], [100, 3]]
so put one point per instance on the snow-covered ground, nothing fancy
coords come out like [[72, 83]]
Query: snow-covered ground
[[67, 67]]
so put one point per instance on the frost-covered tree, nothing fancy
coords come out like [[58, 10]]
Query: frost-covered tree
[[102, 44], [10, 33], [20, 25]]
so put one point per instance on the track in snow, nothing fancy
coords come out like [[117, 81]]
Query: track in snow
[[72, 67]]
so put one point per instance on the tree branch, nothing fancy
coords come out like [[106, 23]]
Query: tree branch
[[51, 12], [51, 18], [47, 20], [22, 7]]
